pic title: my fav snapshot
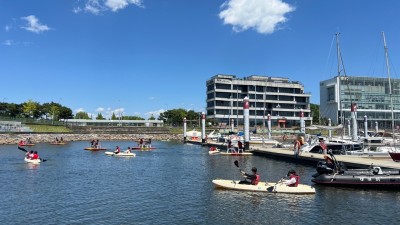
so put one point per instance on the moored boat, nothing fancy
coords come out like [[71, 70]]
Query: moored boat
[[395, 156], [336, 174], [33, 161], [270, 187], [121, 154]]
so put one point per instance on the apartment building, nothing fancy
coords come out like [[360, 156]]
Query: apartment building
[[284, 100]]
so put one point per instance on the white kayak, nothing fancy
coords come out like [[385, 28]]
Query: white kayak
[[214, 152], [121, 154], [264, 187], [236, 153], [33, 161]]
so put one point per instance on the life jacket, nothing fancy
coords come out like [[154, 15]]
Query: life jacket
[[255, 181], [297, 180], [35, 156]]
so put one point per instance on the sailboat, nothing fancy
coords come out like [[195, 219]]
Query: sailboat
[[393, 152]]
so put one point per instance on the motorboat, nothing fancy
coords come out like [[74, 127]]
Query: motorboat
[[335, 145], [277, 187], [334, 173]]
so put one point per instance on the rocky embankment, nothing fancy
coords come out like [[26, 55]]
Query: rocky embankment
[[14, 138]]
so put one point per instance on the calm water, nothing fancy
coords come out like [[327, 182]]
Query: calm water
[[170, 185]]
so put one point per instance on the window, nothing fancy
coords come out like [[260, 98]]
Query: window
[[331, 94]]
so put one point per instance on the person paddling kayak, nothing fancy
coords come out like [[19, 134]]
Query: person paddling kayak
[[117, 150], [253, 178], [294, 179]]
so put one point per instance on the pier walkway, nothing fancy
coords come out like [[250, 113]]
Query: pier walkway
[[312, 158]]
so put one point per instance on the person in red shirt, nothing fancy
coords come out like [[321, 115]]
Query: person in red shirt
[[35, 155], [117, 150]]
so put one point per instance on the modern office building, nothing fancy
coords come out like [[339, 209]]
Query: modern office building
[[284, 100], [371, 95]]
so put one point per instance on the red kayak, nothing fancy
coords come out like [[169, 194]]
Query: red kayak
[[26, 144]]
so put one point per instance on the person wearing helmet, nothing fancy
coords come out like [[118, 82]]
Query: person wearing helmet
[[252, 178], [294, 179]]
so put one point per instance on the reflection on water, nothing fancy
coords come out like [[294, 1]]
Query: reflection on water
[[170, 185]]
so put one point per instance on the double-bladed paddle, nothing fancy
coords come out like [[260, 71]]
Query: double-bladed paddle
[[24, 150]]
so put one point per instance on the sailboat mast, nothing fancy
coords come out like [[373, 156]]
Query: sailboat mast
[[339, 82], [390, 85]]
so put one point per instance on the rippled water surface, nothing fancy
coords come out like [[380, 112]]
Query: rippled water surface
[[170, 185]]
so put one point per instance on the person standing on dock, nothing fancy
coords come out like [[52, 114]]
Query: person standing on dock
[[297, 145], [323, 146]]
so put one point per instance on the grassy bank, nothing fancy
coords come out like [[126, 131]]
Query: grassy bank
[[48, 128]]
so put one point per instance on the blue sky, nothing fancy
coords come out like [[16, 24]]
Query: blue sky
[[142, 57]]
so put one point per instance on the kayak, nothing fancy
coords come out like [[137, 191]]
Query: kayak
[[58, 143], [215, 152], [26, 144], [236, 153], [95, 149], [264, 187], [33, 161], [143, 148], [121, 154], [232, 151]]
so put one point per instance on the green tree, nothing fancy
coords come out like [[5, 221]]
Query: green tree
[[132, 118], [82, 115], [65, 113], [113, 117], [315, 113], [152, 117], [100, 117], [31, 109], [175, 117]]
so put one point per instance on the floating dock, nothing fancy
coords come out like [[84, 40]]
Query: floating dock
[[354, 161]]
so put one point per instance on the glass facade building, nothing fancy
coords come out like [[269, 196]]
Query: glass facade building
[[370, 94]]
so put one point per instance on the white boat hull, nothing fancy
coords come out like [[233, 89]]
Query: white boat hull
[[215, 152], [121, 154], [32, 161], [264, 187]]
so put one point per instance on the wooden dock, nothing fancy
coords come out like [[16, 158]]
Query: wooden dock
[[312, 158]]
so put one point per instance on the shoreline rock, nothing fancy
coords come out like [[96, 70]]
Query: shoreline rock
[[14, 138]]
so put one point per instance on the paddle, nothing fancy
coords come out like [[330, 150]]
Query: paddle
[[24, 150], [240, 170]]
